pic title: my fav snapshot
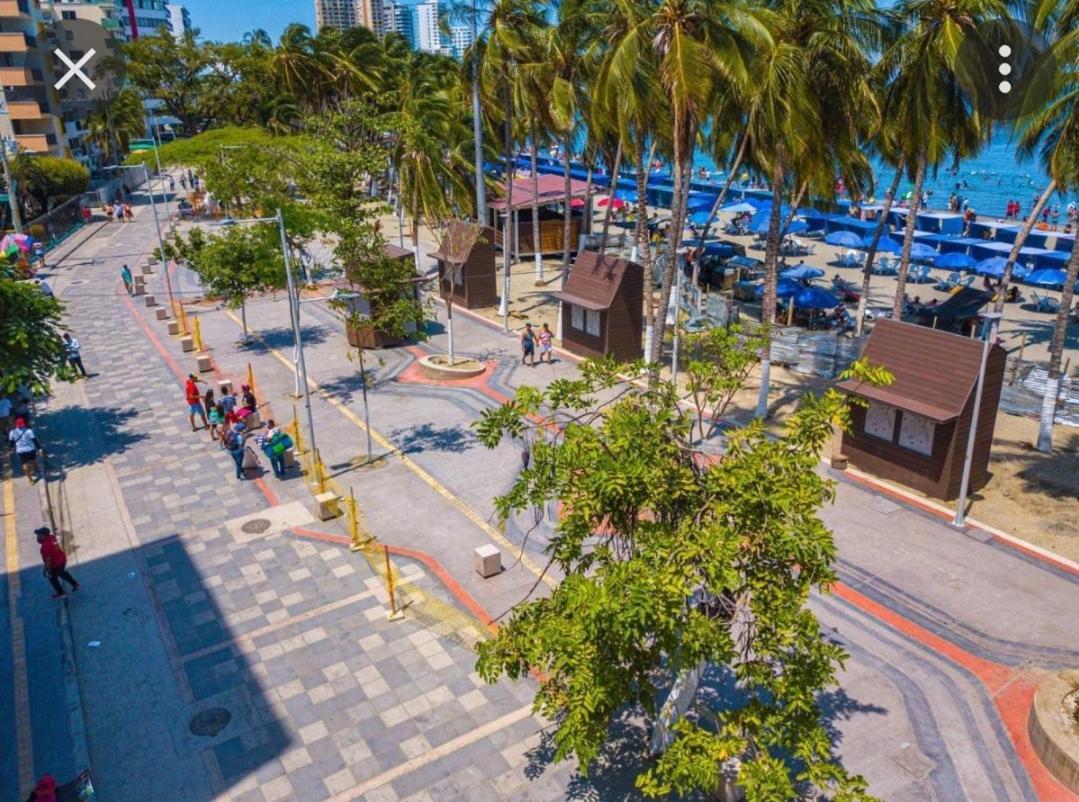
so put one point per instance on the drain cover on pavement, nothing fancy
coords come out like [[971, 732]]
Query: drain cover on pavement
[[256, 526], [210, 722]]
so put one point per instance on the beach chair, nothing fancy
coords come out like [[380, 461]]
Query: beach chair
[[918, 274], [1045, 303], [947, 284]]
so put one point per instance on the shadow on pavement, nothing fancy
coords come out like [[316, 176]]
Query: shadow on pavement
[[63, 433], [426, 437], [262, 340]]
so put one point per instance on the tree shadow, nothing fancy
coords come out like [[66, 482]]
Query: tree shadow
[[64, 437], [1041, 331], [281, 338], [426, 437]]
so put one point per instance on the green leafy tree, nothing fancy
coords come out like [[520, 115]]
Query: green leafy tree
[[674, 559], [722, 361], [45, 181], [235, 264], [30, 328]]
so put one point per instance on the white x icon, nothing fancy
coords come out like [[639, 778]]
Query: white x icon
[[76, 69]]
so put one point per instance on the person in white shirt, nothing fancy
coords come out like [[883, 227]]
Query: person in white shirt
[[26, 447], [45, 288], [72, 350]]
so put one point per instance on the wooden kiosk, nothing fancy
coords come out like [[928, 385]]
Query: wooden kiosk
[[369, 336], [547, 193], [470, 249], [915, 430], [603, 307]]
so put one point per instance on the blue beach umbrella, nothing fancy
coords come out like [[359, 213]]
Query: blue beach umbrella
[[699, 218], [956, 260], [801, 273], [922, 252], [785, 288], [992, 267], [627, 195], [1048, 277], [845, 239], [886, 245], [815, 298]]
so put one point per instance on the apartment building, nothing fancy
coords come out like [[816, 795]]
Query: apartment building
[[345, 14], [33, 118]]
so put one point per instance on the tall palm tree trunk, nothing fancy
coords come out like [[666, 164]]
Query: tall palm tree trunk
[[537, 250], [871, 254], [908, 238], [567, 217], [671, 265], [768, 301], [610, 196], [644, 248], [1056, 353], [507, 240], [1020, 240]]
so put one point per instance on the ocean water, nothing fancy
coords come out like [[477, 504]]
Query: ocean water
[[987, 181]]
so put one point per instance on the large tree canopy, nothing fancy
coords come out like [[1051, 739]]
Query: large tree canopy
[[30, 330]]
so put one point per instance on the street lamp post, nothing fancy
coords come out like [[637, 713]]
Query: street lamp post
[[157, 159], [477, 121], [157, 226], [989, 328]]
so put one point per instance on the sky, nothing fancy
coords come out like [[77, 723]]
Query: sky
[[229, 20]]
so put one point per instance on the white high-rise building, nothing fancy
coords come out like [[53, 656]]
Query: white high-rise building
[[460, 39], [428, 36], [179, 20]]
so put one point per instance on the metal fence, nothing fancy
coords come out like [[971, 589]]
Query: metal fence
[[56, 225]]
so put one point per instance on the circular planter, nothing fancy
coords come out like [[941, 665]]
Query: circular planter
[[439, 367], [1054, 729]]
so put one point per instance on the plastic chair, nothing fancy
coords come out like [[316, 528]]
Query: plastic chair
[[945, 284]]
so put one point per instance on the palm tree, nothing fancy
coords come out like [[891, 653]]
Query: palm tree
[[1052, 132], [925, 98], [114, 124], [508, 41]]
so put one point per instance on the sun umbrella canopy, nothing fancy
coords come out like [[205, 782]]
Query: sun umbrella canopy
[[886, 245], [617, 203], [845, 239], [814, 298], [922, 252], [954, 261], [992, 267], [627, 195], [699, 218], [1049, 277], [785, 288], [739, 208], [802, 272]]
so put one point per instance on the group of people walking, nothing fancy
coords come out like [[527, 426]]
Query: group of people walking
[[227, 418]]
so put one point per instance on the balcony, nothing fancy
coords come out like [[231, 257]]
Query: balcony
[[15, 42], [25, 110], [18, 76], [14, 8], [35, 143]]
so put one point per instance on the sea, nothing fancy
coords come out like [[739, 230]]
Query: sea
[[987, 181]]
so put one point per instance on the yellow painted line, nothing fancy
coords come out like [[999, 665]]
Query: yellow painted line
[[409, 463], [431, 755], [24, 741]]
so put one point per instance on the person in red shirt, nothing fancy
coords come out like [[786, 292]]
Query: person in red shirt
[[194, 402], [55, 562]]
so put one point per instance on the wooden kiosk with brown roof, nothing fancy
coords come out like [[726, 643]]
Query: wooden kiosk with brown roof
[[915, 430], [602, 307], [469, 250], [548, 194]]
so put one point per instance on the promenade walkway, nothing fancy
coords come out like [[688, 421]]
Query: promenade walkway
[[227, 645]]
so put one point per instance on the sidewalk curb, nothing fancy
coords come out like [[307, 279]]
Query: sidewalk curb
[[72, 245]]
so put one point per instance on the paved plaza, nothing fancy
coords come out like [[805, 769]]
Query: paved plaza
[[227, 644]]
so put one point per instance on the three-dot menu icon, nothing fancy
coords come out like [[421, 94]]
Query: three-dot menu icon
[[1005, 69]]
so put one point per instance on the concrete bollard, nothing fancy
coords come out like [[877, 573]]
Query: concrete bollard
[[288, 459], [150, 301], [204, 362], [147, 270], [224, 387], [252, 421], [174, 326], [488, 561], [327, 506], [187, 343], [162, 313]]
